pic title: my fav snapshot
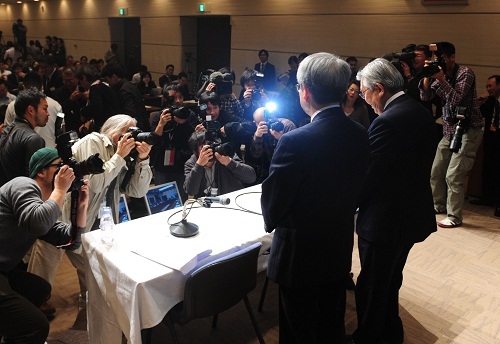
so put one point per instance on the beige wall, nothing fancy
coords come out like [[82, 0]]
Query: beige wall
[[363, 28]]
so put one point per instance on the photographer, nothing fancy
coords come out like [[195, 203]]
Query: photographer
[[124, 158], [456, 87], [228, 102], [30, 209], [264, 141], [221, 125], [211, 174], [252, 96], [172, 126]]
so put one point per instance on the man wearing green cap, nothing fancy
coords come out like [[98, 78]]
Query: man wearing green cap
[[30, 208]]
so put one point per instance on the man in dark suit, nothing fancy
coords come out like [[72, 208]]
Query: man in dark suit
[[396, 207], [490, 109], [268, 69], [309, 199]]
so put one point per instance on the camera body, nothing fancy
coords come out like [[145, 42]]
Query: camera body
[[211, 136], [140, 136], [433, 67], [272, 123], [92, 165]]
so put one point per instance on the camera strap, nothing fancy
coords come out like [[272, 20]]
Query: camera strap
[[128, 175]]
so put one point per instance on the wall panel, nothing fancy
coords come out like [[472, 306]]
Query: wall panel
[[363, 28]]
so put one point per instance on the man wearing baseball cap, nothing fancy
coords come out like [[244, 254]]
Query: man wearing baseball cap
[[30, 208]]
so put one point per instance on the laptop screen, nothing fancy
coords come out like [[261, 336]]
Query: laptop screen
[[123, 213], [163, 197]]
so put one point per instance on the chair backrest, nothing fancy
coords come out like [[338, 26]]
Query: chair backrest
[[219, 285]]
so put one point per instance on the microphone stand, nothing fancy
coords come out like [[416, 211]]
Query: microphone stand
[[184, 229]]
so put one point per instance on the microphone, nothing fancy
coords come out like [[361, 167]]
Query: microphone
[[220, 200]]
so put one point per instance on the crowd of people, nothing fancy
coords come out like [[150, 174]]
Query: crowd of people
[[356, 140]]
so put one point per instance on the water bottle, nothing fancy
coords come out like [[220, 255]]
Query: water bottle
[[107, 226]]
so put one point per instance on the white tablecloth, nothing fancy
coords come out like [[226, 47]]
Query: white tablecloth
[[128, 292]]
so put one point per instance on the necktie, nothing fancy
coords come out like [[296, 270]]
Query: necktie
[[262, 68]]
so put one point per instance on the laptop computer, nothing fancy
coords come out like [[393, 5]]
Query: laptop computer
[[123, 212], [163, 197]]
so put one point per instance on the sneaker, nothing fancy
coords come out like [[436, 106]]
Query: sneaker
[[449, 223]]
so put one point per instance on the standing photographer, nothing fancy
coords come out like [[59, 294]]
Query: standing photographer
[[172, 126], [456, 87], [115, 145]]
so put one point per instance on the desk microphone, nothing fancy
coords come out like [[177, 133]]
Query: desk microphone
[[220, 200]]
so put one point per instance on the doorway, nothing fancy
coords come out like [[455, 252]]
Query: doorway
[[129, 49]]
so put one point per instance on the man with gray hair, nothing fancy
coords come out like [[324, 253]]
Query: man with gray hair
[[395, 208], [309, 199]]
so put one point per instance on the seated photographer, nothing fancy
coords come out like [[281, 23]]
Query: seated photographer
[[269, 131], [30, 209], [126, 170], [209, 173], [221, 125], [252, 95], [174, 129]]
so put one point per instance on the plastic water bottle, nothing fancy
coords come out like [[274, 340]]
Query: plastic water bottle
[[107, 226]]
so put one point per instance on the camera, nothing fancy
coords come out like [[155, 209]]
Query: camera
[[226, 148], [223, 83], [92, 165], [272, 123], [211, 136], [140, 136], [459, 116], [256, 95], [407, 55], [433, 66]]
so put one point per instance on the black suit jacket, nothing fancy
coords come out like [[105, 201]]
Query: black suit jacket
[[309, 197], [269, 80], [396, 205]]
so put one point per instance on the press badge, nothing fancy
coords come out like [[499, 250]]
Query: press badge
[[169, 157]]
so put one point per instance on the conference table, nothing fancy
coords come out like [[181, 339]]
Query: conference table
[[136, 280]]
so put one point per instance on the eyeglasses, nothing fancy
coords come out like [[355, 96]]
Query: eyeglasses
[[59, 164], [362, 93], [297, 86]]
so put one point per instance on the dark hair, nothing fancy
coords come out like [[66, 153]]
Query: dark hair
[[170, 65], [209, 97], [113, 69], [145, 73], [425, 49], [32, 79], [264, 51], [196, 140], [293, 58], [302, 56], [25, 98], [351, 58], [69, 70], [143, 68], [182, 75], [2, 81], [359, 101], [246, 76], [496, 77], [446, 48]]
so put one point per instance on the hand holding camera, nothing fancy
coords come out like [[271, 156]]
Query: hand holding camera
[[205, 156], [165, 117], [125, 145], [64, 178], [261, 129]]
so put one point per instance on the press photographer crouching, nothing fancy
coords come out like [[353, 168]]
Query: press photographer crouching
[[30, 208], [221, 125], [455, 86], [269, 131], [126, 170], [209, 173], [173, 127]]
